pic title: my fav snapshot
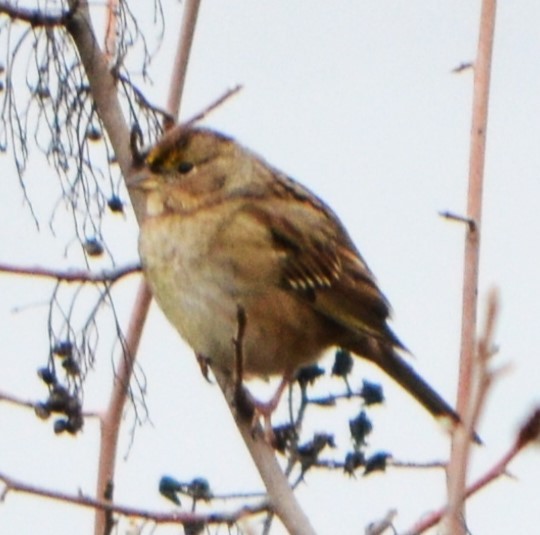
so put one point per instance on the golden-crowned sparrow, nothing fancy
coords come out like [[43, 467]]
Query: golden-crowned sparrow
[[225, 229]]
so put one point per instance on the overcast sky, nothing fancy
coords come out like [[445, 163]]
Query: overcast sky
[[357, 100]]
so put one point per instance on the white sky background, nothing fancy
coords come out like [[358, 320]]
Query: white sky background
[[357, 101]]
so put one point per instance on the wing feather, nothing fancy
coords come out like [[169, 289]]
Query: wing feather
[[319, 263]]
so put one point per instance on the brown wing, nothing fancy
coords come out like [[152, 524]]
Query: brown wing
[[320, 264]]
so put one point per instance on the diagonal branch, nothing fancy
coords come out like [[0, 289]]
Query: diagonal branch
[[35, 17], [528, 434]]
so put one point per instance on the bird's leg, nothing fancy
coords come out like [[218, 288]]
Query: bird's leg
[[246, 403], [266, 409], [256, 409], [243, 399]]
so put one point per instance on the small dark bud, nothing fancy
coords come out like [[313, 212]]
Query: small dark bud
[[199, 489], [63, 349], [47, 376], [372, 393], [308, 453], [42, 411], [58, 400], [377, 462], [60, 426], [169, 487], [115, 204], [308, 374], [74, 423], [71, 366], [93, 133], [353, 460], [360, 428], [42, 91], [93, 247], [284, 436], [343, 363]]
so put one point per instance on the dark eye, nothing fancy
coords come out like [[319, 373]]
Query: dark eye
[[184, 167]]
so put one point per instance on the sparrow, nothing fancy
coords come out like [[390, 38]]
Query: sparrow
[[225, 231]]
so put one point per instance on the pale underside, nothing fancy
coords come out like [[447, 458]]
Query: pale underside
[[199, 279]]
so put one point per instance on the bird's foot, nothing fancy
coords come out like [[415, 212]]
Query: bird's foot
[[204, 365], [256, 410]]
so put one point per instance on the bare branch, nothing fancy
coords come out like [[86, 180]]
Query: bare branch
[[110, 423], [26, 404], [474, 208], [178, 78], [483, 378], [35, 17], [281, 496], [170, 138], [111, 29], [180, 517], [14, 400], [233, 91], [528, 433], [459, 218], [72, 275], [457, 468]]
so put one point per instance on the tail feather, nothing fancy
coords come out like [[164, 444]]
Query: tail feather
[[386, 358]]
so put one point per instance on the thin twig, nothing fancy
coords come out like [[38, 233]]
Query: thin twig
[[170, 138], [111, 30], [180, 517], [459, 218], [483, 378], [110, 423], [14, 400], [178, 77], [233, 91], [528, 433], [72, 275], [26, 404], [35, 17]]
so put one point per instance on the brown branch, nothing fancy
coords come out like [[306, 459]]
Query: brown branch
[[14, 400], [282, 499], [459, 218], [111, 29], [457, 468], [170, 138], [26, 404], [474, 209], [233, 91], [143, 101], [180, 517], [72, 275], [35, 17], [103, 87], [483, 378], [110, 423], [528, 433], [180, 65]]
